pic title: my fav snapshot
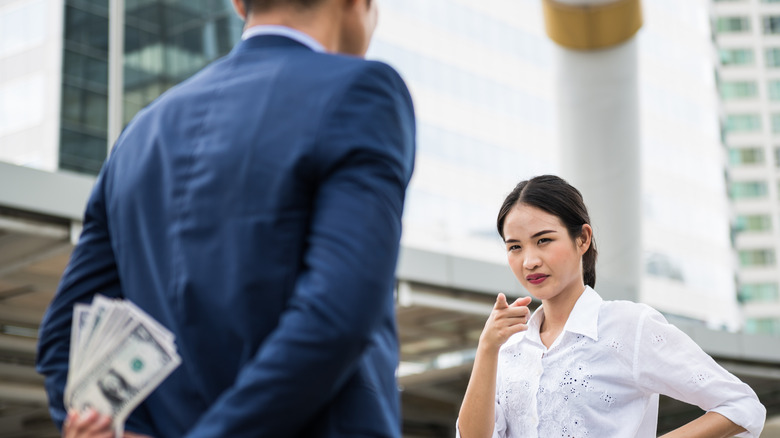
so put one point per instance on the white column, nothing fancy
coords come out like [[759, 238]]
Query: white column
[[598, 115], [116, 61]]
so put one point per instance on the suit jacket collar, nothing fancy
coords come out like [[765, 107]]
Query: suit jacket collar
[[269, 42]]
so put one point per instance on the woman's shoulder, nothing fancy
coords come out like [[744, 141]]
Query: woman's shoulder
[[626, 313], [627, 308]]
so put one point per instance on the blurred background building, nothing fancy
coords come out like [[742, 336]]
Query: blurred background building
[[483, 78], [747, 39]]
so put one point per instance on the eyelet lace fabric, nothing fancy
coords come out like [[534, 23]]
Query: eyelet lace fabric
[[547, 400], [516, 391]]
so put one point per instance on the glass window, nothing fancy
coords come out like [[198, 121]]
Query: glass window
[[731, 90], [732, 24], [776, 123], [84, 111], [777, 156], [748, 189], [759, 292], [165, 43], [86, 27], [743, 122], [771, 24], [168, 41], [754, 222], [736, 56], [774, 90], [82, 152], [772, 57], [746, 156], [85, 69], [756, 258], [660, 265], [763, 326]]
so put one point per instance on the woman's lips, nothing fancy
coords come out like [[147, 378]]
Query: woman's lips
[[536, 278]]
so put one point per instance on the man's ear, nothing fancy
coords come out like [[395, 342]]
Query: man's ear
[[240, 8]]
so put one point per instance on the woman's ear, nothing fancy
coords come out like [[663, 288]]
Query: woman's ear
[[583, 242]]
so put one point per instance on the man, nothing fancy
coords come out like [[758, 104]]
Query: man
[[255, 211]]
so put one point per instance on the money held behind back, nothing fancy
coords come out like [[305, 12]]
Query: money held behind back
[[118, 356]]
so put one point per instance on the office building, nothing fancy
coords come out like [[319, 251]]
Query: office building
[[747, 41]]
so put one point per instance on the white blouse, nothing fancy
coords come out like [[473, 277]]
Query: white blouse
[[602, 376]]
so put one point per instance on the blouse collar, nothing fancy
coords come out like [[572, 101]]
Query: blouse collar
[[583, 320]]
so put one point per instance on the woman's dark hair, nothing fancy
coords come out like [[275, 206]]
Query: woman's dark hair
[[559, 198]]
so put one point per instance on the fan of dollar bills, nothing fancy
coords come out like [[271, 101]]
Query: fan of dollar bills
[[118, 356]]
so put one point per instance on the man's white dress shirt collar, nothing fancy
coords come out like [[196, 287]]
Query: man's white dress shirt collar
[[284, 31]]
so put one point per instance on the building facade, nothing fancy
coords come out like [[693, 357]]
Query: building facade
[[482, 77], [747, 41]]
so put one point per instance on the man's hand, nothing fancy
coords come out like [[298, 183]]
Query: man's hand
[[90, 424]]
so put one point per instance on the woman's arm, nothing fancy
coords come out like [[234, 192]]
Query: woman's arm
[[669, 362], [709, 425], [477, 413]]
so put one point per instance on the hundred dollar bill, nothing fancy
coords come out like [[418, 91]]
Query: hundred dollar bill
[[125, 375]]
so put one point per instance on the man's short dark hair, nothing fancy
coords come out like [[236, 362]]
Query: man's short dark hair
[[267, 5]]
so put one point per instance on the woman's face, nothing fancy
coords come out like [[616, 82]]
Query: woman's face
[[541, 253]]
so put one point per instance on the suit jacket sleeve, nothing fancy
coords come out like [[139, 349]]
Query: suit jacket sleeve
[[91, 270], [366, 150]]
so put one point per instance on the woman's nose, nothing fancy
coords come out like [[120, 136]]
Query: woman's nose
[[531, 261]]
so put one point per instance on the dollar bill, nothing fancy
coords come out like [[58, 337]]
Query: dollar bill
[[80, 315], [119, 355]]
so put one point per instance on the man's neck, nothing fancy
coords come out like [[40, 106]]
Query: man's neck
[[313, 23]]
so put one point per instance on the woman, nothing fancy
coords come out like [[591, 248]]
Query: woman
[[581, 366]]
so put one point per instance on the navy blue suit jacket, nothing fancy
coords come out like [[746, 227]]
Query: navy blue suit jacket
[[255, 211]]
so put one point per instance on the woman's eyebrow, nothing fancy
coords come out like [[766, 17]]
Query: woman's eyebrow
[[540, 233]]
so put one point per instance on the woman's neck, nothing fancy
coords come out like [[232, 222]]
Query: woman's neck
[[558, 309]]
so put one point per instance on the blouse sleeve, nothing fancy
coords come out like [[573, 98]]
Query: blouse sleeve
[[667, 361]]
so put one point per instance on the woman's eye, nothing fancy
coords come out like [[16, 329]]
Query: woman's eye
[[544, 240], [514, 247]]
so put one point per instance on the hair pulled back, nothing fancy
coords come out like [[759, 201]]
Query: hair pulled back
[[554, 195]]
